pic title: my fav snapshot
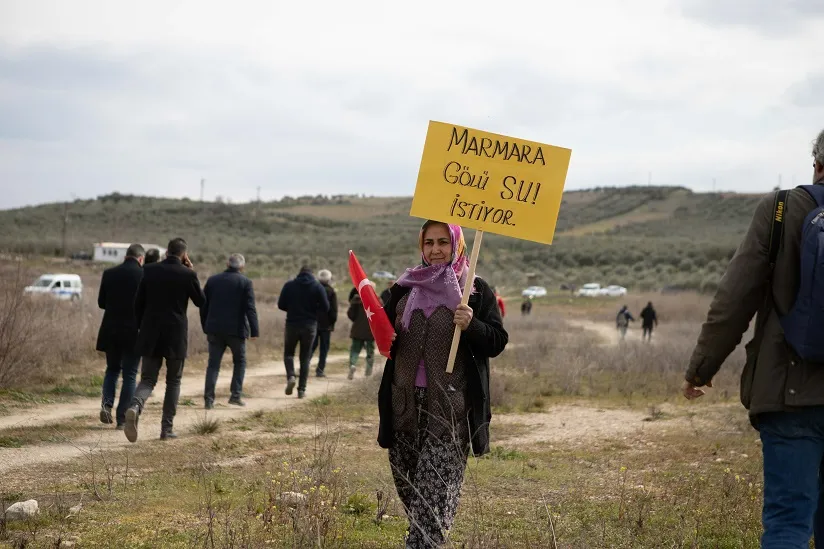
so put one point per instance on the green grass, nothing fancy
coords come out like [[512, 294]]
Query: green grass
[[651, 236]]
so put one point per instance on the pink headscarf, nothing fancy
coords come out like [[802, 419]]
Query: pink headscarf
[[433, 286]]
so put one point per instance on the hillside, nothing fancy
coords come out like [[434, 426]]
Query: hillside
[[643, 237]]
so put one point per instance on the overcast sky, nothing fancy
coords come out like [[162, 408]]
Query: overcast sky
[[334, 97]]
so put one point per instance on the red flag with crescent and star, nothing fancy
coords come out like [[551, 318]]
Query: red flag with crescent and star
[[378, 321]]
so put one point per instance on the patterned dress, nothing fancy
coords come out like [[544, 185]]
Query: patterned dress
[[431, 446]]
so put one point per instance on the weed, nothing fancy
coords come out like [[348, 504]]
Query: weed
[[205, 425]]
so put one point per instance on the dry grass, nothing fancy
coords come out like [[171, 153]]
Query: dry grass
[[314, 477]]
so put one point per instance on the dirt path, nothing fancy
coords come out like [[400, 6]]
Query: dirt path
[[105, 437], [608, 333]]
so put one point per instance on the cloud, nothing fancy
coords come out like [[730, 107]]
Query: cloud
[[771, 17], [307, 99]]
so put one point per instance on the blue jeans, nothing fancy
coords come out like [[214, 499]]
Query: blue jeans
[[117, 362], [217, 346], [322, 339], [793, 447]]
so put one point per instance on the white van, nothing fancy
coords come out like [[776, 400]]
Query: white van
[[61, 286]]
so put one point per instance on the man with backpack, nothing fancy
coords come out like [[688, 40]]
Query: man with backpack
[[773, 273], [622, 321]]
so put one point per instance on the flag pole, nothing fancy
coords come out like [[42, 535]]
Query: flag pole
[[470, 280]]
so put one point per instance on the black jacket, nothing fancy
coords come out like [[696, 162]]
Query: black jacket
[[649, 317], [361, 328], [485, 338], [160, 307], [230, 306], [302, 299], [327, 319], [118, 287]]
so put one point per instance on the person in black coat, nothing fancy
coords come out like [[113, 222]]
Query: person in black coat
[[118, 332], [152, 256], [228, 318], [303, 299], [649, 320], [430, 418], [160, 308], [326, 322]]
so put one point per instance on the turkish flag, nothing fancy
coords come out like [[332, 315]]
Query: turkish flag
[[378, 321]]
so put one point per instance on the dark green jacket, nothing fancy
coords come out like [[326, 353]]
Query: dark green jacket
[[772, 379]]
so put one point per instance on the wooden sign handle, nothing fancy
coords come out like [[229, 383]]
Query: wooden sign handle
[[470, 280]]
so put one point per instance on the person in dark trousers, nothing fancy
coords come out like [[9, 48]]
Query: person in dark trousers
[[228, 318], [326, 322], [622, 320], [648, 320], [160, 308], [783, 393], [526, 306], [430, 419], [152, 256], [302, 299], [361, 335], [118, 332]]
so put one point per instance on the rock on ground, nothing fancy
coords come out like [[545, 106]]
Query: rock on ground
[[22, 510]]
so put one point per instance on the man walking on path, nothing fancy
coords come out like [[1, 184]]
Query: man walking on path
[[774, 274], [118, 332], [648, 320], [152, 256], [361, 334], [326, 322], [228, 318], [526, 306], [160, 308], [622, 321], [302, 299]]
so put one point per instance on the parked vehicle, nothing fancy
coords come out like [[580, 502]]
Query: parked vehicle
[[590, 290], [534, 291], [60, 286], [614, 291], [383, 275]]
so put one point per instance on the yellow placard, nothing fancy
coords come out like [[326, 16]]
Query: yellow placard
[[491, 182]]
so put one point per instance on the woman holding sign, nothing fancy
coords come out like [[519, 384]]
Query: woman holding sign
[[429, 418]]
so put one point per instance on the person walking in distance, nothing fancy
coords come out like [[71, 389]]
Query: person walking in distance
[[118, 332], [526, 306], [500, 301], [775, 276], [152, 256], [622, 321], [385, 294], [160, 308], [228, 318], [326, 322], [361, 335], [429, 418], [302, 299], [649, 319]]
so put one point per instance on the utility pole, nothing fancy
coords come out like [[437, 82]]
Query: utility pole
[[202, 185], [65, 229]]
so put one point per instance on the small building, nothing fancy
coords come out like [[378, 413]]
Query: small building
[[115, 252]]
